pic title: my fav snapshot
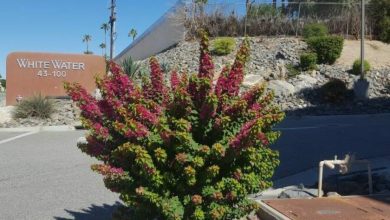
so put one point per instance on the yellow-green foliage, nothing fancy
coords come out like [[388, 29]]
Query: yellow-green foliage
[[356, 67], [223, 46]]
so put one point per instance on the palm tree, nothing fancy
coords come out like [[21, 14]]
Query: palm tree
[[201, 4], [105, 27], [248, 5], [133, 33], [86, 39], [103, 46]]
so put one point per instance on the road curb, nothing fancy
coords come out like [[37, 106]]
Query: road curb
[[39, 128]]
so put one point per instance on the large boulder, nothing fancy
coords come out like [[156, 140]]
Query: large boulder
[[252, 79], [304, 82], [281, 88]]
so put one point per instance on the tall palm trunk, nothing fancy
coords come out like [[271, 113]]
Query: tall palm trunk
[[105, 42]]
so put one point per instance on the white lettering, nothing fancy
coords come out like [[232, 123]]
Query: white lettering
[[56, 64], [22, 63], [46, 64], [64, 66], [31, 64]]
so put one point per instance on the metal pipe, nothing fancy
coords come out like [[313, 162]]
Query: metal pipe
[[112, 25], [299, 14], [362, 75], [321, 166], [369, 178], [344, 164]]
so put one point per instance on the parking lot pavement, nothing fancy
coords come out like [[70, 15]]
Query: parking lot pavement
[[44, 176], [7, 135], [306, 141]]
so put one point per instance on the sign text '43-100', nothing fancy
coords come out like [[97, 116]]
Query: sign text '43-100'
[[50, 68]]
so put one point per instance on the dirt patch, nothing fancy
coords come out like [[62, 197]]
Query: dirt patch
[[376, 52]]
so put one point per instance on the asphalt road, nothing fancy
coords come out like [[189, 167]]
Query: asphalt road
[[44, 176], [306, 141]]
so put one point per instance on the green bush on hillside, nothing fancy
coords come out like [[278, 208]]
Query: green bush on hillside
[[328, 48], [379, 16], [356, 67], [308, 61], [384, 34], [315, 30], [36, 106], [223, 46], [292, 70], [334, 91]]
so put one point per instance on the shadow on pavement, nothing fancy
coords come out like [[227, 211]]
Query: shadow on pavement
[[93, 212]]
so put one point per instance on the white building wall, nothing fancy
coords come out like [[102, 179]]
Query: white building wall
[[164, 33]]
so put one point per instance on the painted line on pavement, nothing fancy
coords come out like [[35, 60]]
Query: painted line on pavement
[[296, 128], [314, 127], [18, 136]]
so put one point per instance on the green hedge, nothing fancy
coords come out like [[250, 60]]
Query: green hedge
[[334, 91], [328, 48], [315, 30], [308, 61]]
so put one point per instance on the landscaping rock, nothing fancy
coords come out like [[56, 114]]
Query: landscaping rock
[[66, 113], [252, 79], [304, 82], [281, 88]]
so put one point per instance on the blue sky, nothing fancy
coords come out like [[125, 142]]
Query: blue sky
[[59, 25]]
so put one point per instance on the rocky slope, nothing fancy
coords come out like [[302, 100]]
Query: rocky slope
[[298, 95]]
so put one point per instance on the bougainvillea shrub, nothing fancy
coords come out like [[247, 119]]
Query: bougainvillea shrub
[[188, 149]]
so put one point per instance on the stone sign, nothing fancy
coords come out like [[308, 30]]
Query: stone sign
[[29, 74]]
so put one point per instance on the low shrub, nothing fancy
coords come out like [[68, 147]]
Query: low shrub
[[314, 30], [165, 67], [292, 70], [36, 106], [335, 91], [223, 46], [379, 17], [3, 83], [130, 67], [308, 61], [188, 150], [328, 48], [384, 25], [356, 67]]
